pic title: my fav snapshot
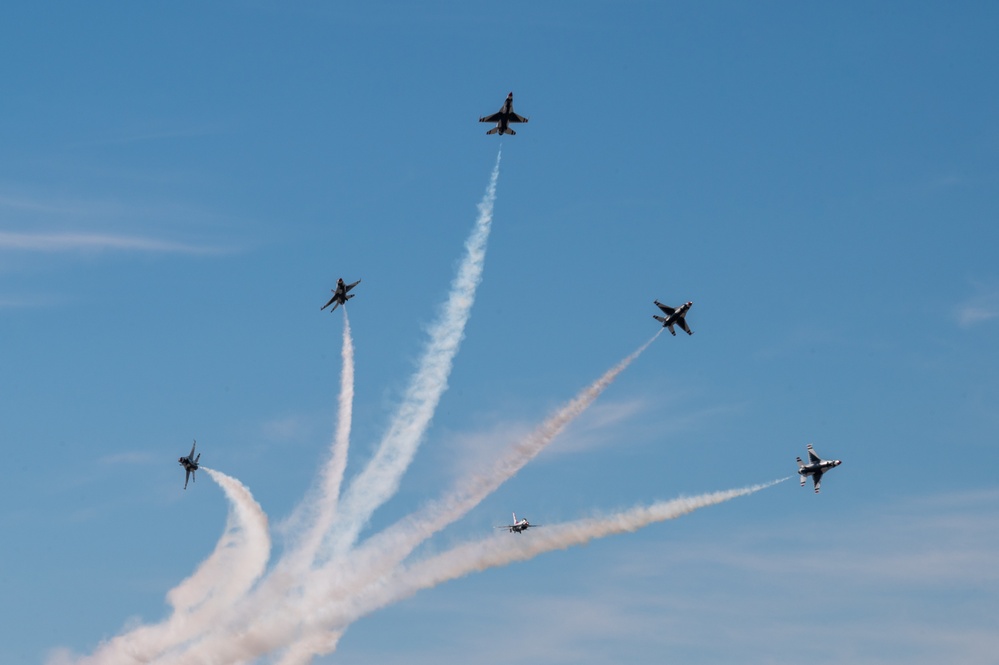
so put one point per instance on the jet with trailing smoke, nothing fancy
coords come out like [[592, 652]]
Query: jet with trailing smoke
[[674, 317], [190, 464], [503, 118], [340, 296], [518, 526], [815, 468]]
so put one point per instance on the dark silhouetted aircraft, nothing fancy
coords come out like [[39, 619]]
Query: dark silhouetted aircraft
[[503, 118], [340, 296], [674, 317], [815, 468], [190, 464], [518, 526]]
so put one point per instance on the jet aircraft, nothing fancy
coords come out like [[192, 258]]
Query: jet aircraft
[[815, 468], [190, 464], [674, 317], [340, 296], [518, 526], [503, 118]]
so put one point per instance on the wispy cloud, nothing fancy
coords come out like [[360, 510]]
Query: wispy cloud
[[982, 307], [97, 242]]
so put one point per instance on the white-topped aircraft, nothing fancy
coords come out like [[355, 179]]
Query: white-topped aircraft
[[518, 526], [815, 468]]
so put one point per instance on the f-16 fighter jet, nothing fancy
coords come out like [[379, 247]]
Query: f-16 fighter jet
[[815, 468], [674, 317], [518, 526], [190, 464], [340, 296], [503, 118]]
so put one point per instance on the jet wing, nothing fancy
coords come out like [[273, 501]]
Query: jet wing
[[682, 322], [516, 118], [665, 308], [812, 457], [817, 480], [329, 303], [350, 286], [191, 456], [495, 117]]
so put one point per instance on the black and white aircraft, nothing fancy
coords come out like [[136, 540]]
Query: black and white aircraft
[[340, 296], [503, 118], [815, 468], [190, 464], [674, 317], [518, 526]]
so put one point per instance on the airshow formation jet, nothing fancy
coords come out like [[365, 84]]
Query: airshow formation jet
[[340, 296], [190, 464], [674, 317], [518, 526], [503, 118], [815, 468]]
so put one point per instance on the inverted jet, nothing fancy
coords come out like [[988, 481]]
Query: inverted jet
[[518, 526], [503, 118], [190, 464], [340, 296], [674, 317], [815, 468]]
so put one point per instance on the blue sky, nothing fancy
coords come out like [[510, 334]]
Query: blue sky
[[180, 186]]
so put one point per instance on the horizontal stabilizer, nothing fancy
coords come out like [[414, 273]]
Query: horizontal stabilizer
[[510, 131], [493, 130]]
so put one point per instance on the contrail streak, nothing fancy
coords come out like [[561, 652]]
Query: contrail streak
[[380, 478], [332, 476], [400, 539], [239, 559], [503, 549]]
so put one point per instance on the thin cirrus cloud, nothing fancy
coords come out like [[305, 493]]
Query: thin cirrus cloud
[[97, 242]]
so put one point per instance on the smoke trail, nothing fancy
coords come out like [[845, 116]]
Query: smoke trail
[[332, 476], [400, 539], [503, 549], [380, 478], [238, 560], [383, 552]]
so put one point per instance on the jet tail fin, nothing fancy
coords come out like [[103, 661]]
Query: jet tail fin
[[197, 458]]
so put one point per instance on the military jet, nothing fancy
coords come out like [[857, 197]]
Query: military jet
[[815, 468], [340, 296], [190, 464], [518, 526], [503, 118], [674, 317]]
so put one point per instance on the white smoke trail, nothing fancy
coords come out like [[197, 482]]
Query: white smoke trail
[[399, 540], [325, 505], [380, 478], [277, 609], [383, 552], [503, 549], [238, 561]]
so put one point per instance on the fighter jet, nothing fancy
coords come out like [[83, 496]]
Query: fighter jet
[[674, 317], [815, 468], [340, 296], [518, 526], [503, 118], [190, 464]]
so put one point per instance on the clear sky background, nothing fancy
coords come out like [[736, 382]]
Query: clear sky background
[[181, 185]]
